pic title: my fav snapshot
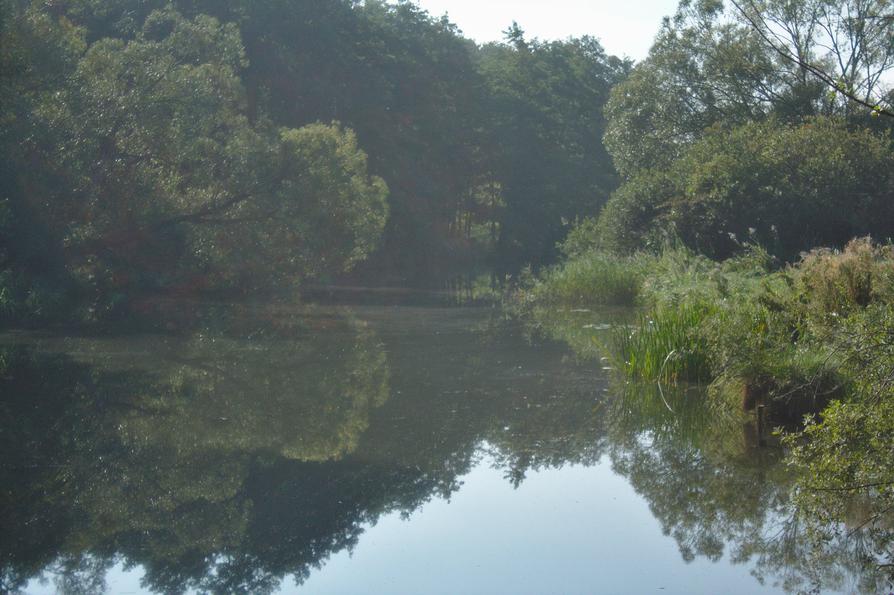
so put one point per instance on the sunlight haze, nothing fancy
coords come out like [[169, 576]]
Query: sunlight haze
[[623, 28]]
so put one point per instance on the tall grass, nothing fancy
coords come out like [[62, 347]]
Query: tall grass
[[591, 279], [594, 279], [839, 283], [665, 345], [756, 331], [598, 278]]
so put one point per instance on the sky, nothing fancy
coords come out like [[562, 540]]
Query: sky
[[624, 27]]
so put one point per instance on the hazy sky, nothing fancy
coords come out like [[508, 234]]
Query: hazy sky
[[625, 27]]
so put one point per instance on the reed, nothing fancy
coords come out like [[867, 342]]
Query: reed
[[664, 345], [593, 278]]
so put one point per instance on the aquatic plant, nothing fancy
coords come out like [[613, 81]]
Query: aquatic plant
[[664, 345]]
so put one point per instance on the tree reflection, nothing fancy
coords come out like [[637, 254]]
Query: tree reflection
[[259, 443], [528, 405], [156, 462], [254, 447], [718, 494], [715, 490]]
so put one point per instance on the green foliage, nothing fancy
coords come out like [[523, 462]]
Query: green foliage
[[592, 278], [580, 240], [630, 219], [406, 83], [840, 283], [702, 69], [136, 165], [663, 346], [148, 142], [759, 335], [714, 63], [546, 129], [324, 215], [350, 204], [677, 276], [842, 47], [848, 453], [779, 337], [242, 201], [850, 444], [787, 188], [844, 458]]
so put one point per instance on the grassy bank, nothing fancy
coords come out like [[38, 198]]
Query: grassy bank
[[810, 341], [770, 331]]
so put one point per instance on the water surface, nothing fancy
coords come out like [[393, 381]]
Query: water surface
[[379, 448]]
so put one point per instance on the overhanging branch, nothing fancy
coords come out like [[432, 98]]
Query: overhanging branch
[[823, 76]]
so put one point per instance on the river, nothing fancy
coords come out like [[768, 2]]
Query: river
[[398, 446]]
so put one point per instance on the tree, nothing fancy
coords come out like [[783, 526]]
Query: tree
[[138, 156], [789, 188], [404, 81], [698, 72], [704, 68], [548, 157], [846, 46], [37, 54]]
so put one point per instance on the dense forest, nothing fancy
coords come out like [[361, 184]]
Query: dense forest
[[252, 146]]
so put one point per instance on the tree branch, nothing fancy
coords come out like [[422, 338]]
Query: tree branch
[[811, 68]]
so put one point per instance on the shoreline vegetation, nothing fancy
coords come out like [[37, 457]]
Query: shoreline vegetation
[[810, 343], [742, 325]]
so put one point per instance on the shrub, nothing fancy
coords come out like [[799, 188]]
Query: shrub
[[839, 283], [632, 218], [582, 238], [786, 187]]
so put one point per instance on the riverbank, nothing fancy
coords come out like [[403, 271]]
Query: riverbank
[[744, 325], [812, 343]]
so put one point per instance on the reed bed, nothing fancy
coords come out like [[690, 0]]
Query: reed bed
[[592, 279], [664, 345]]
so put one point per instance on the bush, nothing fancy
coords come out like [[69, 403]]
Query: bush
[[782, 338], [581, 239], [839, 283], [632, 218], [786, 187], [844, 457]]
